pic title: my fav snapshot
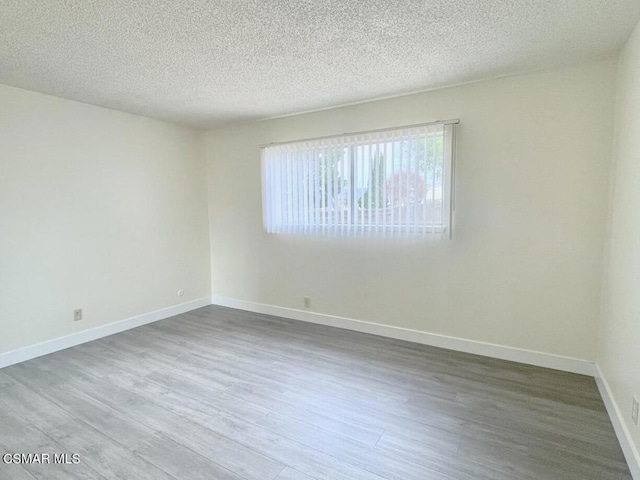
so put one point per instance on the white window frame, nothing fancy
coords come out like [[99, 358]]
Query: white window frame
[[277, 220]]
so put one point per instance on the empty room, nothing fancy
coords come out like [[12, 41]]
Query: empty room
[[320, 240]]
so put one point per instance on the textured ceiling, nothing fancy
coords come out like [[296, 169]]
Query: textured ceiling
[[209, 62]]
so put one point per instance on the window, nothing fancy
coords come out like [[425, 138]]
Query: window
[[387, 181]]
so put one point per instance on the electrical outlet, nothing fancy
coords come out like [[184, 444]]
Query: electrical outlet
[[77, 314], [634, 410], [307, 302], [180, 293]]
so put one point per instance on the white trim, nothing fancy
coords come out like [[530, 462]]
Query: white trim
[[622, 432], [50, 346], [452, 121], [530, 357]]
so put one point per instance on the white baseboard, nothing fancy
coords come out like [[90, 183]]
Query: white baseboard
[[556, 362], [50, 346], [624, 437]]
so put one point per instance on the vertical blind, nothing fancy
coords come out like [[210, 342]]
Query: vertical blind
[[395, 181]]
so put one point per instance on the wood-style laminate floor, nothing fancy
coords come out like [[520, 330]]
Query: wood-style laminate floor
[[226, 394]]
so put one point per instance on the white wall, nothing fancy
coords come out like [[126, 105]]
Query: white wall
[[524, 269], [99, 210], [619, 349]]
